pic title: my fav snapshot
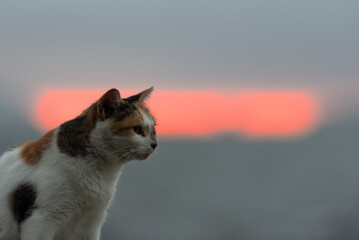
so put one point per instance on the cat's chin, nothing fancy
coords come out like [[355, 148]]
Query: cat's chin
[[137, 157], [143, 157]]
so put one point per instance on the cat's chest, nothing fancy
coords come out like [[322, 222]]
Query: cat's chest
[[97, 188], [88, 181]]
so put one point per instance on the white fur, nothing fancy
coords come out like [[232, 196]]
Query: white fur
[[73, 193]]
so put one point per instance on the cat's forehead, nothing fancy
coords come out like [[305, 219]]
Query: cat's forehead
[[138, 116], [147, 118], [138, 111]]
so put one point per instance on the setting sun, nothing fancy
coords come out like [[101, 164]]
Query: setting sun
[[253, 113]]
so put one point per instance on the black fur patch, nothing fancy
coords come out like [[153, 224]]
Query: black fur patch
[[73, 137], [134, 98], [22, 202], [125, 109]]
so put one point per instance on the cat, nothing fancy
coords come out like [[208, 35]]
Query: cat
[[60, 186]]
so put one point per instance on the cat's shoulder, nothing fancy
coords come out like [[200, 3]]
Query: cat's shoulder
[[32, 151]]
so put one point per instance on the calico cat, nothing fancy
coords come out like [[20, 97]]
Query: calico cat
[[60, 186]]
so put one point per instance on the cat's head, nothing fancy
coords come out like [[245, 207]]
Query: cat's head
[[125, 128]]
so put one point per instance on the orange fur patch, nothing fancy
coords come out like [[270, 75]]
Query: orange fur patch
[[144, 108], [124, 127], [32, 151]]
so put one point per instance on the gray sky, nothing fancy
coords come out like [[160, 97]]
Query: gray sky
[[197, 44]]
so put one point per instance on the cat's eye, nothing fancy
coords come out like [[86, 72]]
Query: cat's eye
[[137, 129]]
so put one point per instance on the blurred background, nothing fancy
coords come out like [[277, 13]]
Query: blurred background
[[257, 104]]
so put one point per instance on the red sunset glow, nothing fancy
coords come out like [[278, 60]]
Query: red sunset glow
[[254, 113]]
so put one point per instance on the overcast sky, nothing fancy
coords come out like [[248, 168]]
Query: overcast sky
[[196, 44]]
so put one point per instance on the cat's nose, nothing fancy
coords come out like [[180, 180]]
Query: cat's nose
[[154, 145]]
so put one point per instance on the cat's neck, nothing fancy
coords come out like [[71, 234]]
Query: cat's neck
[[83, 140]]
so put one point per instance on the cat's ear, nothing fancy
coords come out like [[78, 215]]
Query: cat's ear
[[142, 96], [108, 103]]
